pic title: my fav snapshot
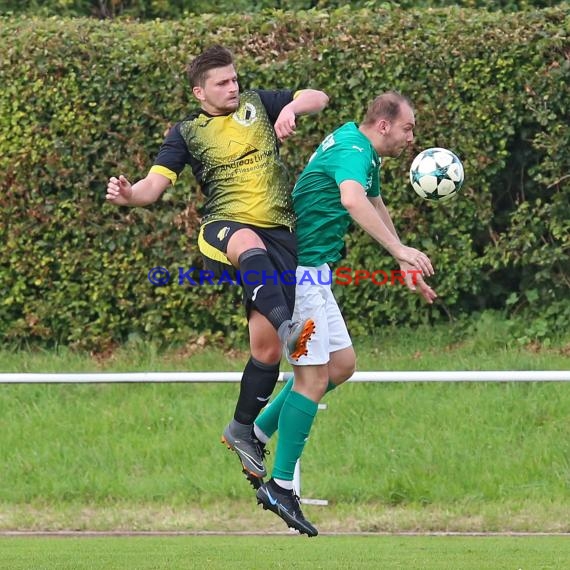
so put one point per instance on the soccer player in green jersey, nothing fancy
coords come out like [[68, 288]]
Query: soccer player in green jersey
[[231, 142], [340, 182]]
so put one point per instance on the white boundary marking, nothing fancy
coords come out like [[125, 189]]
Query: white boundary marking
[[372, 376]]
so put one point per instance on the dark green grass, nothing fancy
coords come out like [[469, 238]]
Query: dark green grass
[[387, 443], [262, 552], [419, 456]]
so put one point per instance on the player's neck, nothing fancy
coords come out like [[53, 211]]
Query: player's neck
[[214, 112], [372, 135]]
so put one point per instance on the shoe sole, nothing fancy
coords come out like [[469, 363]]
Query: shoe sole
[[254, 478], [290, 522], [301, 342]]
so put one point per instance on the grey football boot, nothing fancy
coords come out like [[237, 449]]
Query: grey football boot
[[250, 451]]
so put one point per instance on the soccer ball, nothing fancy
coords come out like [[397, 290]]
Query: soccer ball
[[436, 174]]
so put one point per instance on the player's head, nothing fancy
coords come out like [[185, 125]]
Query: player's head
[[213, 79], [389, 123]]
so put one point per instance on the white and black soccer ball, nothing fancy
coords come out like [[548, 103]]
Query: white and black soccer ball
[[436, 174]]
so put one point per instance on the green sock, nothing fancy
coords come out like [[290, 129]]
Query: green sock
[[268, 419], [295, 421]]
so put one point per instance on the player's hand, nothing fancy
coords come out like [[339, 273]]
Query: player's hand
[[285, 124], [416, 258], [415, 282], [119, 190]]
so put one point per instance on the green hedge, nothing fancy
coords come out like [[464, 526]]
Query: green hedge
[[175, 9], [82, 100]]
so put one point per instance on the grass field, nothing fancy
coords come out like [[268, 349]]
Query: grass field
[[390, 458], [262, 552]]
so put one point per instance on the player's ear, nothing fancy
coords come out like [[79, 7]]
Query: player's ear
[[198, 92], [383, 126]]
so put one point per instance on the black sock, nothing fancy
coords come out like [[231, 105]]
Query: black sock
[[262, 284], [257, 384]]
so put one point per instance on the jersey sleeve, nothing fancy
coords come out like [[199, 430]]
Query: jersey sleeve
[[274, 101], [172, 156], [352, 163]]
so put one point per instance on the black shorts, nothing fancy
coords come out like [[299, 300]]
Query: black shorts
[[280, 243]]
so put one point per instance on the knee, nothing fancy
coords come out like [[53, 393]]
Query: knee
[[311, 381], [242, 241], [344, 374], [341, 371], [268, 353]]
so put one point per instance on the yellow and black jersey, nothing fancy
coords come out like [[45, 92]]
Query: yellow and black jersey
[[235, 158]]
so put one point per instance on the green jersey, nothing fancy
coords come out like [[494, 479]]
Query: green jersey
[[322, 221]]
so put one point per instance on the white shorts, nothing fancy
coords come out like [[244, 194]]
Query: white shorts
[[314, 299]]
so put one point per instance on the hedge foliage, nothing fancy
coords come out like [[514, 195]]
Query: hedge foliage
[[83, 99], [175, 9]]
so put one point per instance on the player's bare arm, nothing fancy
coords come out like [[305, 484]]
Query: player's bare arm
[[146, 191], [383, 212], [353, 198], [413, 279], [306, 101]]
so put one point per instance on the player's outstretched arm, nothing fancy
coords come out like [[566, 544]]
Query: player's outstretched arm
[[353, 198], [412, 276], [146, 191], [306, 101], [383, 212], [309, 101]]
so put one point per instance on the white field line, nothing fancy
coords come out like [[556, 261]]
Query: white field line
[[372, 376]]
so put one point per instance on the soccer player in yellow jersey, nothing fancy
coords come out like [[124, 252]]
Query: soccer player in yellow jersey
[[232, 142]]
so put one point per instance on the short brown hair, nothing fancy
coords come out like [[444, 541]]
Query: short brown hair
[[385, 106], [213, 57]]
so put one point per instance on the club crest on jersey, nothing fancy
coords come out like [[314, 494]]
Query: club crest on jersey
[[246, 115]]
